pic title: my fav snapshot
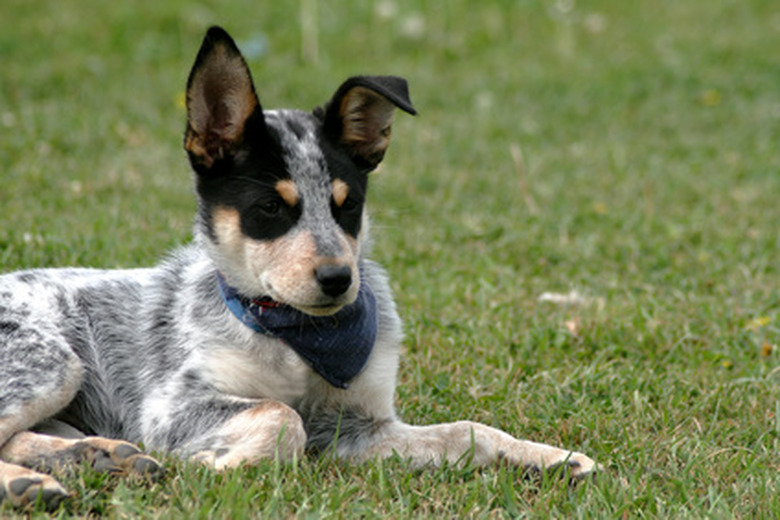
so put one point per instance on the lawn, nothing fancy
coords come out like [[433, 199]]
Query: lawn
[[624, 154]]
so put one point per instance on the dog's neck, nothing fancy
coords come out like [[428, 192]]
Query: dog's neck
[[337, 347]]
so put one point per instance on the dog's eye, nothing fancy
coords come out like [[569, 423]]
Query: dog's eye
[[349, 204], [271, 208]]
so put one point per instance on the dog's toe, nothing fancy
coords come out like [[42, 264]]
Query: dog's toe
[[51, 497], [574, 465], [147, 466], [122, 458], [125, 450], [103, 463], [25, 490], [579, 466]]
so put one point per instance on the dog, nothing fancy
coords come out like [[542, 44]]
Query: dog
[[270, 335]]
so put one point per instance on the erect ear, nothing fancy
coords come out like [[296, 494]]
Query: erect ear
[[220, 100], [360, 115]]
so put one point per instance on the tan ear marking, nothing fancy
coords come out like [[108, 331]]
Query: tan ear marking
[[288, 191]]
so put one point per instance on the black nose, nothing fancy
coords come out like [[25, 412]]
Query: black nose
[[334, 279]]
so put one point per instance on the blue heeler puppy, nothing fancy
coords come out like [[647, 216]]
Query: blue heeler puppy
[[270, 335]]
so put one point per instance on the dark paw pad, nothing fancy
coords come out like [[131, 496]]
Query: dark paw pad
[[19, 486], [124, 451], [26, 490], [103, 463], [147, 467]]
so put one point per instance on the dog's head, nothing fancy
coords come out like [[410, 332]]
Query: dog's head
[[281, 192]]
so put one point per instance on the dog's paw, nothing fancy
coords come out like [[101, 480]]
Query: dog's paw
[[27, 487], [573, 465], [119, 457], [104, 455], [579, 466]]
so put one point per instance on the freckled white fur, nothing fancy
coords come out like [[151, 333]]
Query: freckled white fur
[[18, 417]]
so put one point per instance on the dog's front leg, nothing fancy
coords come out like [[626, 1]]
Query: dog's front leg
[[465, 441], [269, 429]]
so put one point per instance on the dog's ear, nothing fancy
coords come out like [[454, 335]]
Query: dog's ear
[[360, 115], [220, 100]]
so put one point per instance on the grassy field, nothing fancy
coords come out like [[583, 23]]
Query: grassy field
[[627, 151]]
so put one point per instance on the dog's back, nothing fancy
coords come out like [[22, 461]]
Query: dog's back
[[74, 329]]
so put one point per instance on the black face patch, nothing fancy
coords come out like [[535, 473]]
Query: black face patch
[[248, 184], [349, 213]]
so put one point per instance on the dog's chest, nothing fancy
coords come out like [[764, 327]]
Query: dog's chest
[[273, 370]]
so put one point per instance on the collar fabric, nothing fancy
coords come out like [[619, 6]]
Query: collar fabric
[[337, 347]]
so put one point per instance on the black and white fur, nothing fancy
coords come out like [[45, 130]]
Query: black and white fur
[[153, 356]]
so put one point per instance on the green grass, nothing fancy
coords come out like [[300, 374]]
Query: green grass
[[648, 180]]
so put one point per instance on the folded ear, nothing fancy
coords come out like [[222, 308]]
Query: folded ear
[[220, 100], [360, 115]]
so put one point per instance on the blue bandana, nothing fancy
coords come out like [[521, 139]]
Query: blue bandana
[[336, 347]]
